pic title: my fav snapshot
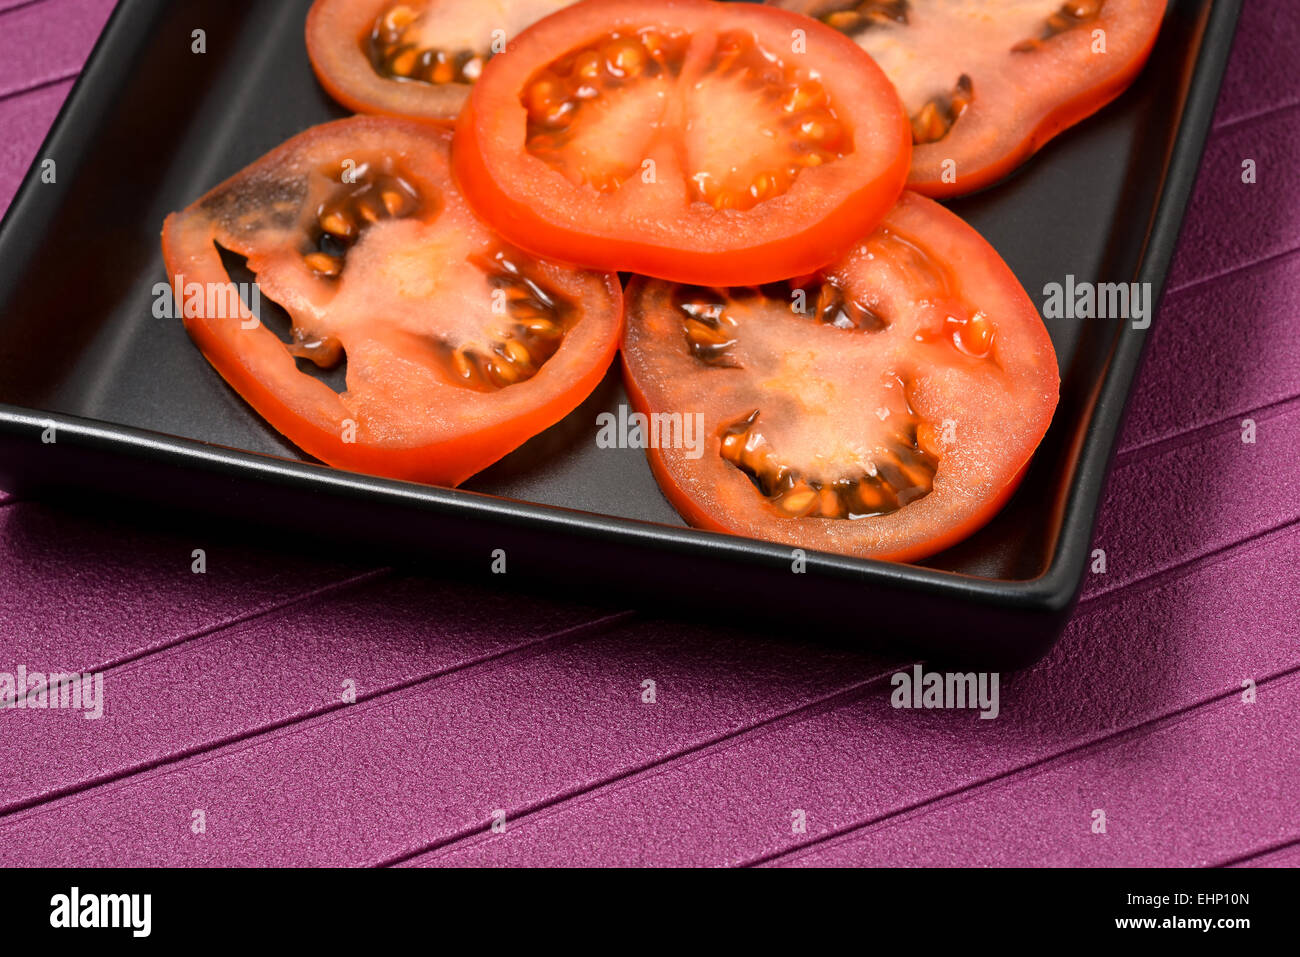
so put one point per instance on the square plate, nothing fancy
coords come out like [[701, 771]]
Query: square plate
[[140, 415]]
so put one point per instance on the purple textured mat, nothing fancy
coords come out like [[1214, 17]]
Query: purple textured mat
[[856, 761], [1288, 856], [1240, 490], [384, 779], [86, 595], [224, 692], [1241, 317], [25, 118], [1262, 80], [1217, 801], [43, 43], [1231, 223], [249, 678]]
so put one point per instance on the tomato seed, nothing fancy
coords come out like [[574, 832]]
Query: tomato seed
[[904, 474], [936, 118], [555, 97], [353, 207], [870, 13], [811, 129], [324, 265], [394, 57], [1072, 13]]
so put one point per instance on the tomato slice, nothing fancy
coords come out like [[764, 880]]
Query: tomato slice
[[685, 139], [884, 408], [988, 82], [415, 58], [459, 347]]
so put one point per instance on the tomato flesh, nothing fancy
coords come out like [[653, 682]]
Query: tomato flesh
[[459, 347], [884, 407], [987, 82], [413, 58], [688, 140]]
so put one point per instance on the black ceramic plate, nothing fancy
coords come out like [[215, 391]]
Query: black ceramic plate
[[140, 414]]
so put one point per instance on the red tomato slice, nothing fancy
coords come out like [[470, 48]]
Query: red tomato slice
[[884, 408], [685, 139], [415, 58], [988, 82], [459, 347]]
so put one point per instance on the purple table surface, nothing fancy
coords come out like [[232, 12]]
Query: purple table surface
[[224, 693]]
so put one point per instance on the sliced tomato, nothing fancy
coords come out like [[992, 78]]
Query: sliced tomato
[[458, 346], [684, 139], [415, 58], [883, 408], [988, 82]]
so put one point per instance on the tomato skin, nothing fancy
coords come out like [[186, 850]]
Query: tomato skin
[[698, 515], [799, 232], [1021, 99], [1034, 133], [432, 445], [348, 78], [334, 32], [1004, 424]]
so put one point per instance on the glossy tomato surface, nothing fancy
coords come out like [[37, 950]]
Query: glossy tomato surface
[[414, 58], [884, 408], [688, 140], [458, 347], [988, 82]]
